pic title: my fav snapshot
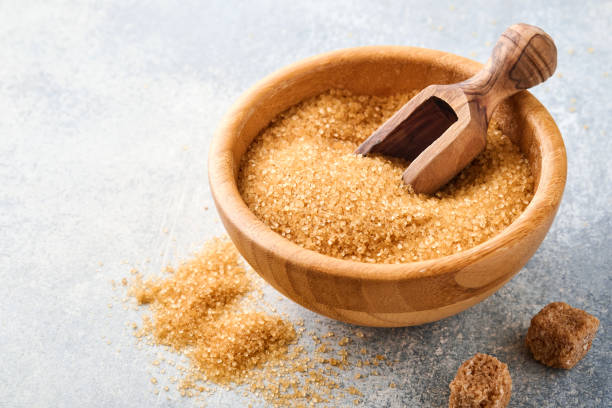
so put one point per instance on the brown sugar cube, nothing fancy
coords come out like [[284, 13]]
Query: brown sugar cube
[[560, 335], [482, 381]]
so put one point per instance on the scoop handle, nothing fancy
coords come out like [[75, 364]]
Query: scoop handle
[[524, 56]]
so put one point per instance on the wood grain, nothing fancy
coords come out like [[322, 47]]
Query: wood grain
[[443, 128], [378, 294]]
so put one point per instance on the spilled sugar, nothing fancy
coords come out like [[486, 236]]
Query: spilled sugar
[[194, 296], [209, 309], [299, 176], [197, 310]]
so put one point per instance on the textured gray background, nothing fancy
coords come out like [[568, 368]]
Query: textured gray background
[[106, 114]]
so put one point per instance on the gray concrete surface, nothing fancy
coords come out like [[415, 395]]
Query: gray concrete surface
[[106, 113]]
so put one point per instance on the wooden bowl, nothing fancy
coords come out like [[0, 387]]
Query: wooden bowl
[[383, 294]]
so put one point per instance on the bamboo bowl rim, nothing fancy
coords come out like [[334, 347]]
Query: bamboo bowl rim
[[223, 178]]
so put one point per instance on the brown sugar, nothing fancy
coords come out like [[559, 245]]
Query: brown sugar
[[244, 341], [194, 294], [560, 335], [196, 308], [481, 382], [301, 178], [209, 309]]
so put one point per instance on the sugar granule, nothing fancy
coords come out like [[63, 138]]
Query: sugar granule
[[301, 178]]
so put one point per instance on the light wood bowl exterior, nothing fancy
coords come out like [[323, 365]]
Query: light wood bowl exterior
[[388, 295]]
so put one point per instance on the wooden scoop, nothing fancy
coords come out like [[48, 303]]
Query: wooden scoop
[[443, 128]]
